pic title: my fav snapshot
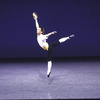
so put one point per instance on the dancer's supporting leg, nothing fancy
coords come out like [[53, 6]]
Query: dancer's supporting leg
[[50, 50], [50, 57], [49, 61]]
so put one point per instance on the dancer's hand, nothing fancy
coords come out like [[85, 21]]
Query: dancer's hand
[[35, 16], [54, 32]]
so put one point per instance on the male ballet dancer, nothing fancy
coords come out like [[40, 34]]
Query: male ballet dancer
[[41, 38]]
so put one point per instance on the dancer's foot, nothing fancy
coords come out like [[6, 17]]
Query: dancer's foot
[[71, 36], [48, 75]]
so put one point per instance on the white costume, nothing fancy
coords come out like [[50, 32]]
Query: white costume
[[42, 41]]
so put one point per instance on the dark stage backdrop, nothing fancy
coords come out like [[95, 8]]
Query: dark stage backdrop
[[18, 32]]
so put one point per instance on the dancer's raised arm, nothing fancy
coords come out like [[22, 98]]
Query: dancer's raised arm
[[35, 16]]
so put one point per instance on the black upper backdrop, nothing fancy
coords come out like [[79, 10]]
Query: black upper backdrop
[[18, 32]]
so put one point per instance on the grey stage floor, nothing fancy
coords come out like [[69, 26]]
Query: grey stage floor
[[68, 80]]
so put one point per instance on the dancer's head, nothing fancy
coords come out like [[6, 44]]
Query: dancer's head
[[42, 30]]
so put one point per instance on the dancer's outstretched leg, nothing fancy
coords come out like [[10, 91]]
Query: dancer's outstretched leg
[[65, 38]]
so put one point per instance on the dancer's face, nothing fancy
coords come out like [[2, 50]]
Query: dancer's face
[[39, 31]]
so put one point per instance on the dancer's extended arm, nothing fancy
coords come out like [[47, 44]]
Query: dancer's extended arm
[[47, 35]]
